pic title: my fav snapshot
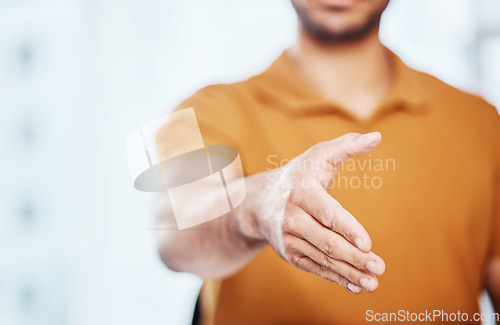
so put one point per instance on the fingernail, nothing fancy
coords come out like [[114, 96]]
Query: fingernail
[[359, 242], [366, 135], [351, 288], [365, 283], [372, 267]]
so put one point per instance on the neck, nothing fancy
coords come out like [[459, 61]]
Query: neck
[[356, 76]]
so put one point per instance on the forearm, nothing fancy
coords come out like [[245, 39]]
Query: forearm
[[213, 249]]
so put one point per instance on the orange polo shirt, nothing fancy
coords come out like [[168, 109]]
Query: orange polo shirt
[[428, 196]]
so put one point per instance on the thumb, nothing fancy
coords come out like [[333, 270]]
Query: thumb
[[349, 145]]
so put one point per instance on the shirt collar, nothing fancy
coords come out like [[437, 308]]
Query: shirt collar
[[299, 97]]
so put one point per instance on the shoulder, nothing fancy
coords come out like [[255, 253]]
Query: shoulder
[[456, 100], [469, 112], [227, 101], [218, 93], [222, 94], [222, 111]]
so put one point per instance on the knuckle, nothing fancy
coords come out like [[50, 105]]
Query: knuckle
[[327, 261], [329, 275], [288, 252], [329, 246], [324, 273], [289, 244], [327, 217], [349, 136], [294, 197], [343, 283], [357, 258], [288, 226], [349, 231], [324, 260], [353, 275], [294, 259], [346, 142], [349, 150]]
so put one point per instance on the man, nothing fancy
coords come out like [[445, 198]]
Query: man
[[429, 210]]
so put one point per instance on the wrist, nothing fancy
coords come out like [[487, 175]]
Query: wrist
[[248, 224]]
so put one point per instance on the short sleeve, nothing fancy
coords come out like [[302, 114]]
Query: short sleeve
[[217, 111]]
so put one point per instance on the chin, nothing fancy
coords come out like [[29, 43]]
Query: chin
[[338, 20]]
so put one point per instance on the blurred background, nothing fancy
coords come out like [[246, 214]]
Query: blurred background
[[77, 76]]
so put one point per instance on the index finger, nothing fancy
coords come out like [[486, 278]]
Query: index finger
[[329, 212]]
